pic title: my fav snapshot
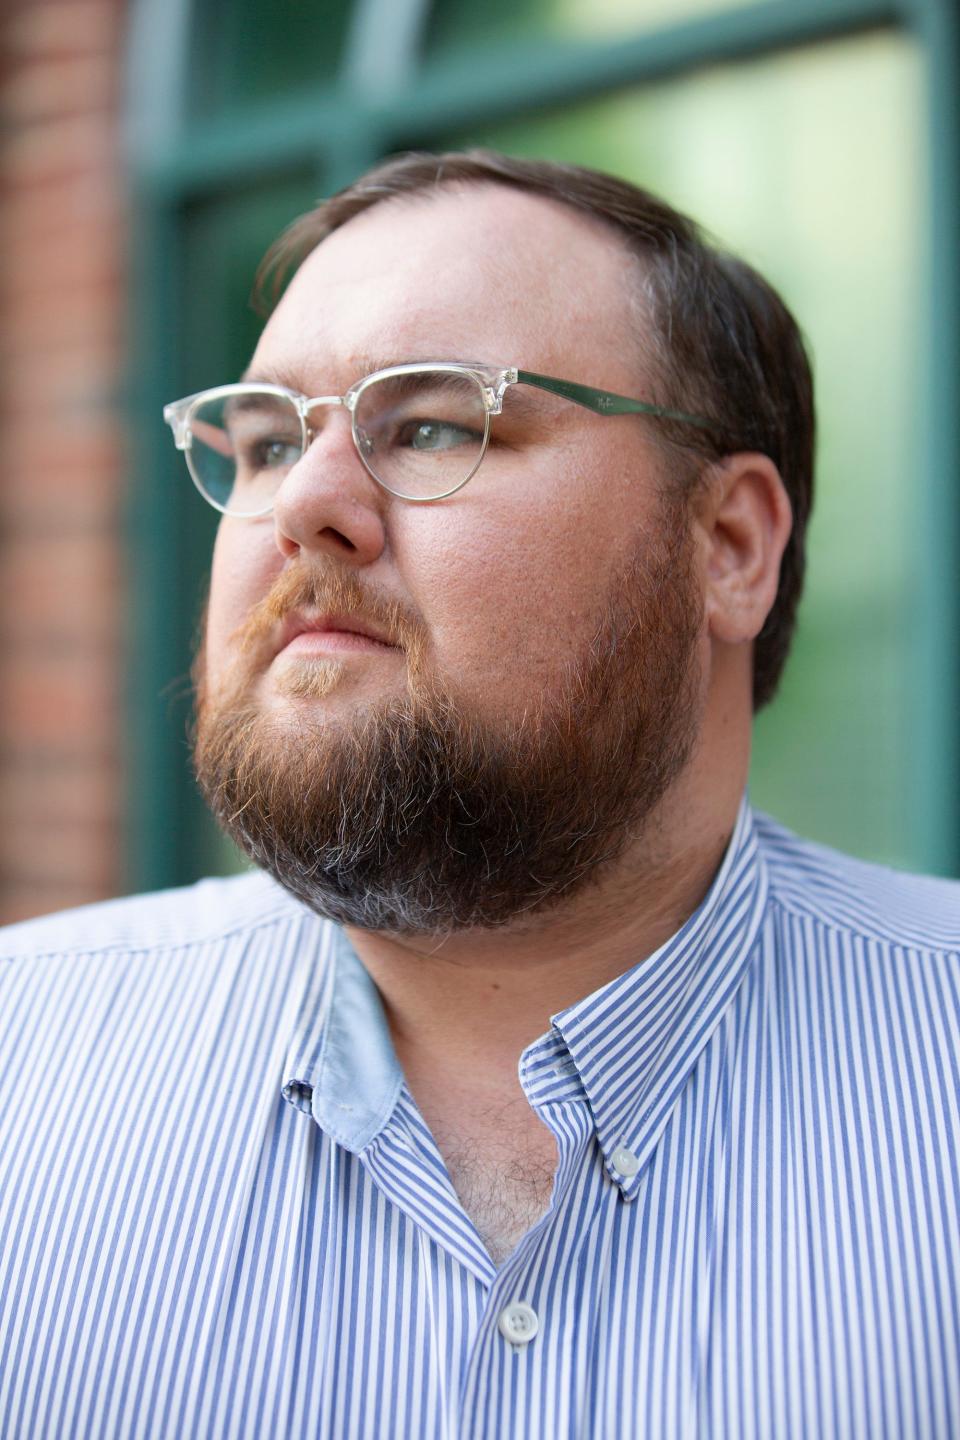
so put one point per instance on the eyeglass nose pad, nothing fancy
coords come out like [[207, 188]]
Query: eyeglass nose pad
[[320, 406], [313, 431]]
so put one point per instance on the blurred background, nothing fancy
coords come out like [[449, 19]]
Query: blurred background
[[151, 150]]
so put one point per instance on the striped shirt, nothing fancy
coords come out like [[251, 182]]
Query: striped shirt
[[221, 1214]]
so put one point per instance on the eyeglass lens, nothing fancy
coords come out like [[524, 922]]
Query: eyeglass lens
[[421, 434]]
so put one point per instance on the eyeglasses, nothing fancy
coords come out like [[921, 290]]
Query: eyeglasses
[[421, 430]]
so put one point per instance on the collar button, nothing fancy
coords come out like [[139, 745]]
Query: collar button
[[625, 1161]]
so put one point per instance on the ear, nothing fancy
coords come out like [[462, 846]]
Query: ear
[[745, 520]]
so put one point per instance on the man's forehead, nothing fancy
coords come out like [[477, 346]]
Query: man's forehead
[[477, 272]]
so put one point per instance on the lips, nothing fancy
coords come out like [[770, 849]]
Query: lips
[[297, 624]]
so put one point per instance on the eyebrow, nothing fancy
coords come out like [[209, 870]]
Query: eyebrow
[[519, 403], [290, 380], [242, 404]]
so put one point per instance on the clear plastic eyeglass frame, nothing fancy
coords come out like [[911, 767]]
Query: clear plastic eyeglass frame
[[492, 381]]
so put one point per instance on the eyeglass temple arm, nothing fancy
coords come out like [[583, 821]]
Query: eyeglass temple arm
[[604, 402]]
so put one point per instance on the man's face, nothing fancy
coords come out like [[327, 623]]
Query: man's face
[[503, 613]]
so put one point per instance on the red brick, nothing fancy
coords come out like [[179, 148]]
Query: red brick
[[61, 373], [61, 818], [56, 700], [61, 587], [82, 321], [53, 788], [54, 88], [81, 854], [60, 459], [25, 897], [86, 253], [63, 225], [40, 381], [86, 439], [71, 27], [60, 148], [35, 209], [64, 479], [88, 506], [32, 324]]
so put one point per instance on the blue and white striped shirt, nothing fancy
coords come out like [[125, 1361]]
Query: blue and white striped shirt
[[221, 1214]]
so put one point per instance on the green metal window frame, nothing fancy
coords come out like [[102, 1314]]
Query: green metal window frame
[[389, 98]]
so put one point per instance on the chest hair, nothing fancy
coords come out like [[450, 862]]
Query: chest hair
[[503, 1177]]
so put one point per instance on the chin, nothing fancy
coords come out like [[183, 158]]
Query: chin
[[312, 679]]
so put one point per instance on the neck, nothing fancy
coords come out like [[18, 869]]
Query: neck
[[464, 1006]]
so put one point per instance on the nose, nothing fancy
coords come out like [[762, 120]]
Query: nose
[[328, 503]]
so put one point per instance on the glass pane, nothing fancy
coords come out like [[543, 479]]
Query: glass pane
[[810, 165], [460, 25], [244, 53]]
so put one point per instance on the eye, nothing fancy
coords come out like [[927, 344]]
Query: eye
[[269, 454], [435, 435], [266, 452]]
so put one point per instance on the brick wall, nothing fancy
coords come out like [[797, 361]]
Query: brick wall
[[62, 307]]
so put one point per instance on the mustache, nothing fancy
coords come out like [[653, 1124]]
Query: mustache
[[331, 591]]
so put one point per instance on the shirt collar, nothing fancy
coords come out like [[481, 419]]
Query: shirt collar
[[341, 1065], [635, 1041]]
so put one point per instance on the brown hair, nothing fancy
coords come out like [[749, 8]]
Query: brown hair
[[726, 345]]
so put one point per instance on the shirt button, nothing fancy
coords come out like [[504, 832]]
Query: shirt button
[[518, 1323], [625, 1161]]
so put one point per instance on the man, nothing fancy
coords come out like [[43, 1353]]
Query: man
[[597, 1105]]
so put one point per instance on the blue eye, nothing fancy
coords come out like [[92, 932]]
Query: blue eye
[[271, 454], [436, 435]]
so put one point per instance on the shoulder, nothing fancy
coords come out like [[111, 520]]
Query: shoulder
[[220, 961], [875, 901], [208, 911]]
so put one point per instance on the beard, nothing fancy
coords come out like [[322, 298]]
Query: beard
[[418, 814]]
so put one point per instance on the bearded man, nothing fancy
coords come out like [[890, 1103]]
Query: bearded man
[[532, 1084]]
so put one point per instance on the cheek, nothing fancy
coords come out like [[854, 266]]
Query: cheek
[[516, 576], [245, 563]]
